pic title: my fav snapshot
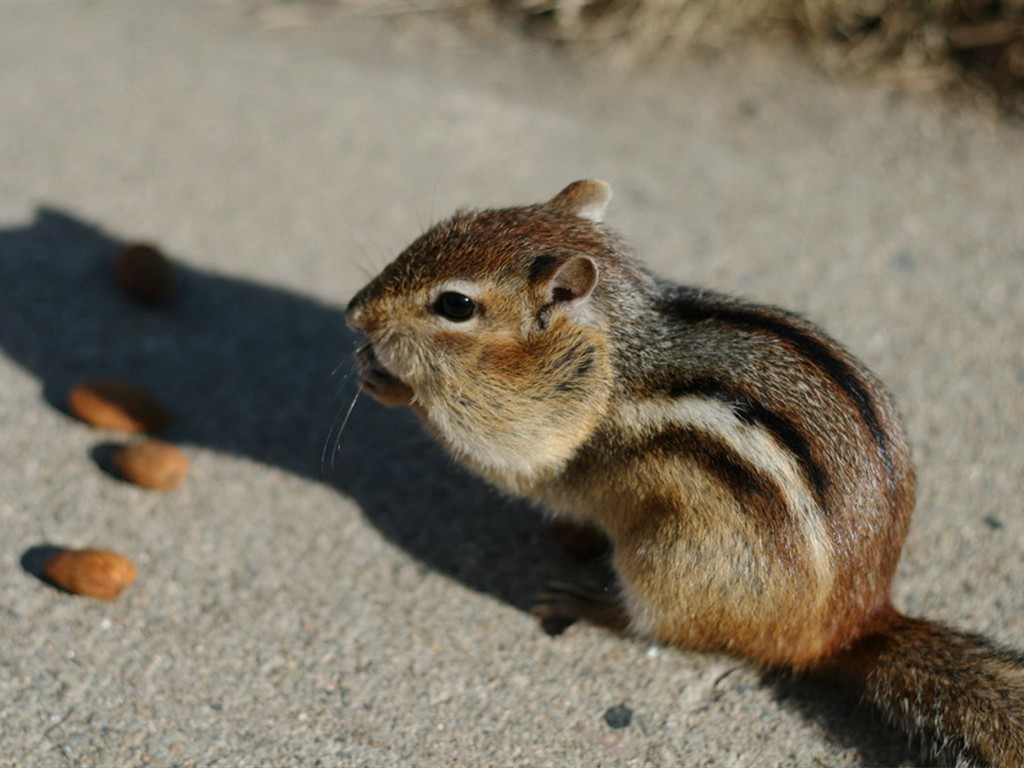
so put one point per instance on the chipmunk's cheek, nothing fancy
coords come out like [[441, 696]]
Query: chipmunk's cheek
[[504, 359]]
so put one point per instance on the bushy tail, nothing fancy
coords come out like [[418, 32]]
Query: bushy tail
[[960, 693]]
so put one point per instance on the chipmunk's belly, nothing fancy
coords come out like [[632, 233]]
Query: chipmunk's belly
[[704, 567], [757, 615]]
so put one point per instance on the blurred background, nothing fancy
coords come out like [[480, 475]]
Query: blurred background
[[971, 47]]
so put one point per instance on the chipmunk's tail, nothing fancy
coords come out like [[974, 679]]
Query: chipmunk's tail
[[960, 693]]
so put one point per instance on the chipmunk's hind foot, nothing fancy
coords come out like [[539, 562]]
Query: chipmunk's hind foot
[[563, 601]]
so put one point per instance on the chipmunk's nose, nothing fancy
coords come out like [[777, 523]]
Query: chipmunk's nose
[[354, 312]]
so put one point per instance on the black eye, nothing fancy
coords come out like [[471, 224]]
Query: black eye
[[455, 306]]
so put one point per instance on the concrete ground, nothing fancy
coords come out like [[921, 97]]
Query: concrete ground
[[367, 604]]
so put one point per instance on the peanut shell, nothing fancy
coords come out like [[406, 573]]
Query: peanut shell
[[152, 464], [117, 404], [100, 573]]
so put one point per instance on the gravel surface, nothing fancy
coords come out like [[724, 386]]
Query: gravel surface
[[318, 596]]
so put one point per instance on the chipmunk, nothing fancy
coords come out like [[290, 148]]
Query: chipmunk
[[753, 477]]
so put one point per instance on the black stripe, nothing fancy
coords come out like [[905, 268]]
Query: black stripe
[[586, 364], [582, 359], [688, 310], [748, 484], [751, 411], [563, 360], [541, 266]]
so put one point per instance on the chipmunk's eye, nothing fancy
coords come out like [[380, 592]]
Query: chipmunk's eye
[[455, 306]]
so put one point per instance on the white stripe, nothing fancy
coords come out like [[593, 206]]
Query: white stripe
[[758, 448]]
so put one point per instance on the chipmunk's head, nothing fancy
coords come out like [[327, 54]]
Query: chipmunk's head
[[491, 320]]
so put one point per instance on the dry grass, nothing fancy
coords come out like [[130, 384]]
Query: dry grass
[[967, 45]]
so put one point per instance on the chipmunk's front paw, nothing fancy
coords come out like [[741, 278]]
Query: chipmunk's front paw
[[385, 387], [379, 382]]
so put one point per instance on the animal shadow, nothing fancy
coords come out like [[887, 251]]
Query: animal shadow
[[247, 369], [260, 372], [846, 722]]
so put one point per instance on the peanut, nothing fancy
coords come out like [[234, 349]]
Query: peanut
[[100, 573], [152, 464], [119, 405]]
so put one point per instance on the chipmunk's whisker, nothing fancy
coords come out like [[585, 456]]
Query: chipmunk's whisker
[[340, 420]]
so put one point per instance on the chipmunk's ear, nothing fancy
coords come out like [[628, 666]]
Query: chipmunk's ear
[[587, 199], [572, 280]]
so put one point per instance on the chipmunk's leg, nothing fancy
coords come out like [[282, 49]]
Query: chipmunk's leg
[[378, 381], [602, 607], [584, 541]]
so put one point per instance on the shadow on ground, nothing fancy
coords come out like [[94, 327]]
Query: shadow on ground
[[261, 372], [258, 372], [849, 724]]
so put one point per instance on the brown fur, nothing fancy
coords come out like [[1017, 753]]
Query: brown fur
[[928, 678], [752, 476]]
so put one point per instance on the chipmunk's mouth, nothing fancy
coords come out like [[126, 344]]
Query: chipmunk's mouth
[[370, 366], [366, 356]]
